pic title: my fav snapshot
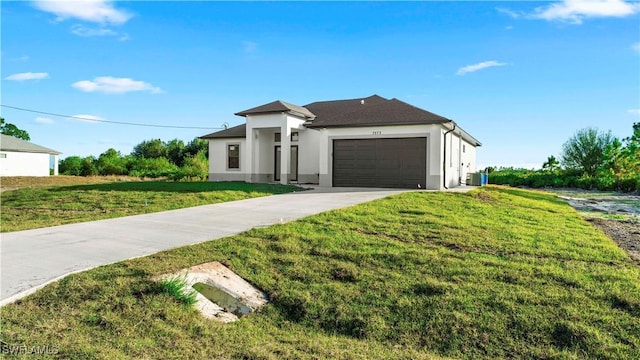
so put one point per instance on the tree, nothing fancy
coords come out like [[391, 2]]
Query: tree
[[71, 165], [585, 150], [89, 167], [111, 162], [196, 146], [551, 164], [175, 151], [150, 149], [12, 130]]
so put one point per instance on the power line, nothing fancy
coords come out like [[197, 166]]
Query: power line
[[109, 121]]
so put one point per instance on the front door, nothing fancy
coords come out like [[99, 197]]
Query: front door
[[293, 171]]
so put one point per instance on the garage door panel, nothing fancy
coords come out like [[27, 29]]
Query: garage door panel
[[390, 162]]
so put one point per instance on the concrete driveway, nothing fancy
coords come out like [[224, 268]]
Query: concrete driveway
[[34, 258]]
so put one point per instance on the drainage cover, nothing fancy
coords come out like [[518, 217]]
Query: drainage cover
[[221, 294]]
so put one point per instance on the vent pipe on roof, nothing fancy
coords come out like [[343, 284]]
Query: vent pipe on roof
[[362, 102]]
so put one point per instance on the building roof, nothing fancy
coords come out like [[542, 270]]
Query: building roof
[[10, 143], [279, 107], [374, 110], [239, 131], [371, 111]]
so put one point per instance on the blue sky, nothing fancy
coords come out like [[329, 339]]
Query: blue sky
[[521, 77]]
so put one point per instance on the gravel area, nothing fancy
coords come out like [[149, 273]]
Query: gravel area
[[616, 214], [626, 233]]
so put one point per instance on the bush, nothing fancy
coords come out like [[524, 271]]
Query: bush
[[71, 165], [153, 168], [604, 180]]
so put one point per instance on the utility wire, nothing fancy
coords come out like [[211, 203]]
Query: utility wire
[[109, 121]]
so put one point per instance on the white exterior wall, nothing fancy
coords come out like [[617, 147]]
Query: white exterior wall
[[315, 148], [452, 161], [218, 170], [309, 156], [433, 133], [261, 145], [24, 164], [468, 159], [460, 158]]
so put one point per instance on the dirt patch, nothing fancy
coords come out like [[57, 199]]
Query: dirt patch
[[626, 233], [8, 183], [616, 214]]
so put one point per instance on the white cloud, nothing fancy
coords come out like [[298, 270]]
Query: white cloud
[[511, 13], [84, 31], [636, 47], [124, 37], [112, 85], [479, 66], [249, 46], [98, 11], [86, 118], [635, 112], [27, 76], [575, 11], [44, 120], [20, 58]]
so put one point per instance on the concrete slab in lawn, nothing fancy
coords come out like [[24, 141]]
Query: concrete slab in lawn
[[34, 258]]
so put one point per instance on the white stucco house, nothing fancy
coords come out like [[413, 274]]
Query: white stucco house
[[365, 142], [22, 158]]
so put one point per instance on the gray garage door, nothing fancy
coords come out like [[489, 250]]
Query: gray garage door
[[388, 163]]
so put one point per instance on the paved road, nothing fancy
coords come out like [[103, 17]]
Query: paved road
[[34, 258]]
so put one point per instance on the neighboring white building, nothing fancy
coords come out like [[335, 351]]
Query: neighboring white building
[[22, 158], [369, 142]]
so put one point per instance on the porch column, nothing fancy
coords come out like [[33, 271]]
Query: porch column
[[285, 153], [247, 160]]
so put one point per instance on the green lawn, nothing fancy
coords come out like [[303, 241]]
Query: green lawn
[[495, 273], [36, 207]]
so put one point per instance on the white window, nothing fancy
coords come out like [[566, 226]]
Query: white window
[[294, 136]]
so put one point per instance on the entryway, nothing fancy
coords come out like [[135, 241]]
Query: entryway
[[293, 171]]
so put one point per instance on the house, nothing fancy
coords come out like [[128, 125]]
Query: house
[[23, 158], [365, 142]]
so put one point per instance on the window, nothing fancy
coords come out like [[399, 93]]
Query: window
[[294, 136], [233, 156], [277, 137], [464, 148], [3, 156]]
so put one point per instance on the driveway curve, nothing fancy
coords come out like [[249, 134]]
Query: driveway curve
[[31, 259]]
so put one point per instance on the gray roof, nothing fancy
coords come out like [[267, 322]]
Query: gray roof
[[239, 131], [279, 107], [371, 111], [10, 143]]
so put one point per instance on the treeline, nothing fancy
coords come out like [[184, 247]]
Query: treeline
[[590, 160], [152, 158]]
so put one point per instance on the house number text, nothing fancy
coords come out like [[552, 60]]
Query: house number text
[[378, 132]]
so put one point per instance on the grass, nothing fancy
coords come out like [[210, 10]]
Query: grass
[[495, 273], [35, 207], [176, 286]]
